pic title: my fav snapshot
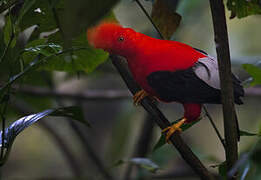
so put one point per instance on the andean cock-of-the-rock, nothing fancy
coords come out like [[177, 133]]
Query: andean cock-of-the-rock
[[168, 70]]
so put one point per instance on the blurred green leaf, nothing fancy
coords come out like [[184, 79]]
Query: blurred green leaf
[[222, 169], [255, 72], [85, 60], [184, 127], [118, 163], [80, 14], [8, 30], [40, 14], [245, 133], [165, 19], [245, 169], [161, 142], [244, 8], [46, 14], [145, 163]]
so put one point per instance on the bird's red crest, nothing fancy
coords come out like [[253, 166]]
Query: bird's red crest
[[101, 36], [111, 37]]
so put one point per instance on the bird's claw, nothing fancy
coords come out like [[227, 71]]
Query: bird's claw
[[139, 96], [170, 130]]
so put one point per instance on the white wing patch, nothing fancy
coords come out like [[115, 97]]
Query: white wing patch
[[207, 70]]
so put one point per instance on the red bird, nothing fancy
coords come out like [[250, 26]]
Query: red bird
[[168, 70]]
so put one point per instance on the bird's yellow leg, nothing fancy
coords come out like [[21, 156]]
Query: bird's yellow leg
[[139, 96], [171, 129]]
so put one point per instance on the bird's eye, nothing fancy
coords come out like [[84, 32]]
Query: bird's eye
[[121, 39]]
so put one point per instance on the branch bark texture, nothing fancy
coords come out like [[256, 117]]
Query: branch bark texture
[[227, 94], [162, 121]]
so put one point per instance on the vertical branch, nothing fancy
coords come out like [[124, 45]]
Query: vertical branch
[[223, 54]]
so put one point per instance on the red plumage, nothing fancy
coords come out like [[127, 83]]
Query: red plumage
[[163, 68]]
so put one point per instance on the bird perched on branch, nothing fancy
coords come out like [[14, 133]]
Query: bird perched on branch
[[166, 70]]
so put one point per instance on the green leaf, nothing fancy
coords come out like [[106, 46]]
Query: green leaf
[[21, 124], [162, 140], [145, 163], [73, 112], [255, 72], [243, 8], [166, 20], [245, 133], [85, 60], [46, 14], [8, 29], [44, 49]]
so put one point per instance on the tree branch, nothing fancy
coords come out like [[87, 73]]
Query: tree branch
[[224, 63], [87, 95], [162, 121]]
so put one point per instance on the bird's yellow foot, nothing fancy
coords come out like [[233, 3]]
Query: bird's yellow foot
[[171, 129], [139, 96]]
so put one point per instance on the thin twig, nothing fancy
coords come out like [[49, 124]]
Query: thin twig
[[143, 143], [214, 126], [7, 47], [162, 121], [227, 95], [148, 16]]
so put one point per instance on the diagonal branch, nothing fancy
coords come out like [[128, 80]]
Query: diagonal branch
[[162, 121], [223, 54]]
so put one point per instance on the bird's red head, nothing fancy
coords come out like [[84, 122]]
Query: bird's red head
[[112, 37]]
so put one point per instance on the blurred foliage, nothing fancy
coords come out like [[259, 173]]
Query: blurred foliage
[[142, 162], [165, 18], [51, 45], [244, 8], [255, 72]]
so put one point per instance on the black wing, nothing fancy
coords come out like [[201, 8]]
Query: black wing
[[185, 86]]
